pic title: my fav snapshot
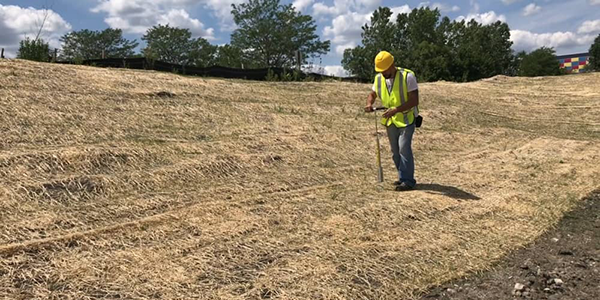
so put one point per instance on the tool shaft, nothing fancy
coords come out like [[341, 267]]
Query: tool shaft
[[379, 168]]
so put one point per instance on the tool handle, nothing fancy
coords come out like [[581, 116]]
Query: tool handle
[[379, 108]]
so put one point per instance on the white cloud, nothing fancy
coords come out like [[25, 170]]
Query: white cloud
[[17, 23], [136, 16], [341, 7], [221, 9], [442, 7], [487, 18], [345, 30], [330, 70], [507, 2], [320, 9], [594, 2], [341, 48], [180, 18], [590, 26], [300, 5], [336, 71], [445, 7], [531, 9], [404, 9], [525, 40], [474, 7], [8, 35]]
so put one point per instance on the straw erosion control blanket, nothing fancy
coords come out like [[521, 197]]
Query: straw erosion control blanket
[[138, 184]]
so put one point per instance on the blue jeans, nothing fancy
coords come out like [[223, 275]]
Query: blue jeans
[[401, 144]]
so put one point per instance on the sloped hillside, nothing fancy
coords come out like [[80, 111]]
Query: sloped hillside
[[134, 184]]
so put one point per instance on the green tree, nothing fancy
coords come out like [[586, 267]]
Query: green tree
[[176, 46], [515, 63], [382, 32], [435, 48], [358, 62], [87, 44], [203, 54], [169, 44], [480, 51], [425, 35], [416, 40], [269, 33], [379, 35], [595, 54], [36, 50], [230, 56], [540, 62]]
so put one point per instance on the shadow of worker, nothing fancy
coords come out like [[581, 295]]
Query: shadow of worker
[[445, 190]]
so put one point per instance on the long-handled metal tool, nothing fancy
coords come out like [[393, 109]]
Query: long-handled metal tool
[[379, 168]]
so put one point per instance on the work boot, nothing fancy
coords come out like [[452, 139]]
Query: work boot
[[397, 182], [403, 187]]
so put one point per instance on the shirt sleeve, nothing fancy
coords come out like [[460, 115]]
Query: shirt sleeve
[[374, 88], [411, 82]]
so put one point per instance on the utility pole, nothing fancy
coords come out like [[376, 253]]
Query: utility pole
[[298, 60]]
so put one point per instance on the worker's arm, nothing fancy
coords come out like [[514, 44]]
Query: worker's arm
[[413, 100], [370, 101]]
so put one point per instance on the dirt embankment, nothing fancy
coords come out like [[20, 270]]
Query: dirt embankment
[[564, 263], [134, 184]]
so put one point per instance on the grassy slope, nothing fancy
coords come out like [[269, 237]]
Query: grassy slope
[[247, 190]]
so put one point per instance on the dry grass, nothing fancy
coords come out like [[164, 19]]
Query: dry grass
[[228, 189]]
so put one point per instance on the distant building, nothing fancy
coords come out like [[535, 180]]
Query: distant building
[[574, 63]]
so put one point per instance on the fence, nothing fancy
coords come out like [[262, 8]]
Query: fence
[[142, 63]]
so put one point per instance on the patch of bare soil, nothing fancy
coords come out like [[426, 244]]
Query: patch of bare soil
[[562, 264]]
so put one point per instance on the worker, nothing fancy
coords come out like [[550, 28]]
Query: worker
[[397, 88]]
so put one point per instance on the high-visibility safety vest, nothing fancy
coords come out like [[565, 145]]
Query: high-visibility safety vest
[[398, 97]]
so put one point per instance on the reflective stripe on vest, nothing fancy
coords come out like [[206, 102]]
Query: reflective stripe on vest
[[402, 100], [379, 85]]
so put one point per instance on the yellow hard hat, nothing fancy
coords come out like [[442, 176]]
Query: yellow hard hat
[[383, 61]]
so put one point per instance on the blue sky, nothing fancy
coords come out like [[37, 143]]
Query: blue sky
[[568, 26]]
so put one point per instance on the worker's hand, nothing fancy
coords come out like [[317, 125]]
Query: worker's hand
[[389, 113], [369, 108]]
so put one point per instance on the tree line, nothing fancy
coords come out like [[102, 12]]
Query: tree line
[[268, 34], [440, 49]]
